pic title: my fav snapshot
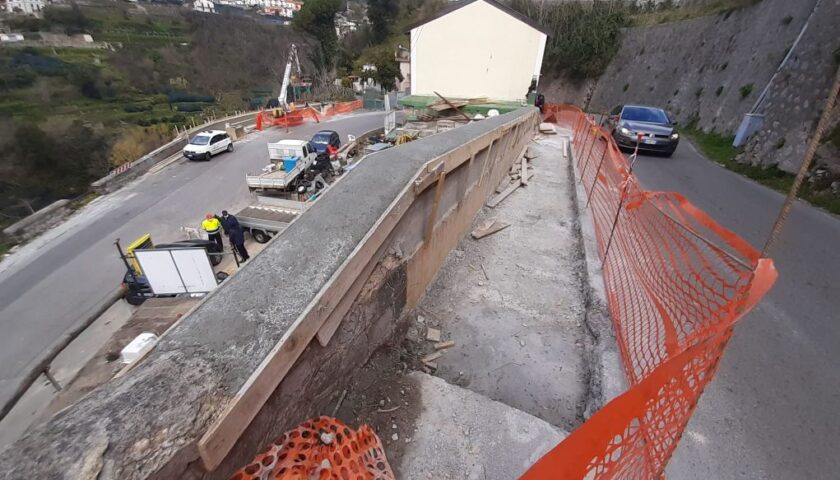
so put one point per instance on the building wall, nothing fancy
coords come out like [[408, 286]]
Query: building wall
[[475, 51], [24, 6]]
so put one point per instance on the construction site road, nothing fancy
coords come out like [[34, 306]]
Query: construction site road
[[64, 276], [771, 411]]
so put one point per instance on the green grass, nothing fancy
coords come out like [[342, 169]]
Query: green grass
[[83, 200], [669, 15], [719, 149]]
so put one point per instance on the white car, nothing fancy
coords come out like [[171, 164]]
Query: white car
[[206, 144]]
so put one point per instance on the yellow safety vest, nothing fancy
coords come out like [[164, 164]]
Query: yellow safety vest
[[211, 225]]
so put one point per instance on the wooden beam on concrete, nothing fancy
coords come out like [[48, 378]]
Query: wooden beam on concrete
[[524, 171], [430, 223], [451, 105], [489, 229], [241, 410]]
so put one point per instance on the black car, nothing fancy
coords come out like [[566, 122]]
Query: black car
[[324, 138], [137, 287], [649, 127]]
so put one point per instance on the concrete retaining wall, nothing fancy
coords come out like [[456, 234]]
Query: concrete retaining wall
[[283, 336], [39, 221]]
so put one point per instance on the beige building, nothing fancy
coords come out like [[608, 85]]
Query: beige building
[[476, 48]]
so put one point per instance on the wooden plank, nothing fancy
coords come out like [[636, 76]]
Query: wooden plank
[[529, 154], [453, 106], [430, 223], [446, 344], [433, 334], [494, 227], [431, 357], [328, 329], [495, 201], [524, 172], [244, 406]]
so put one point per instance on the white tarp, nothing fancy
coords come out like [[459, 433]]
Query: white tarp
[[177, 271]]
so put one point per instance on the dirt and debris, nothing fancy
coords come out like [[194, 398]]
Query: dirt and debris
[[504, 320], [382, 397]]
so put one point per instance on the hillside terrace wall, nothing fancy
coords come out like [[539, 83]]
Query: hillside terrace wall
[[283, 336]]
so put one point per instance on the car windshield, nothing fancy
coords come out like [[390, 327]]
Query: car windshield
[[200, 140], [321, 138], [644, 114]]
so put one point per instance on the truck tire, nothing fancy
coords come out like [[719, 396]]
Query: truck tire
[[134, 298], [260, 236], [215, 258]]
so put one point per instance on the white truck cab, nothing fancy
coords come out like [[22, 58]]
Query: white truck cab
[[208, 143]]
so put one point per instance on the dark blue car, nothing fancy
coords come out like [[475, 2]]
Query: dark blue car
[[324, 138]]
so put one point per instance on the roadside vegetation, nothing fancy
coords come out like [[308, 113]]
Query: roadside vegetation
[[70, 113], [719, 149], [586, 35]]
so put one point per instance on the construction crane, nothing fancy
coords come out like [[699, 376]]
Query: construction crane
[[287, 76]]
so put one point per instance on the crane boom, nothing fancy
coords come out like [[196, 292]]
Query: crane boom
[[287, 75]]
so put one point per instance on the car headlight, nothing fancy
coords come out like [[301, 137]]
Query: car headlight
[[625, 131], [675, 136]]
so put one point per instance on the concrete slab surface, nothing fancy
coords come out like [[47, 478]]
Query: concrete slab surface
[[514, 302], [462, 435]]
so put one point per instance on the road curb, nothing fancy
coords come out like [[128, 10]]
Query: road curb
[[57, 347]]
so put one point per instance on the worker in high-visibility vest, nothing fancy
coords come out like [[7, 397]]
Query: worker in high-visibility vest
[[213, 227]]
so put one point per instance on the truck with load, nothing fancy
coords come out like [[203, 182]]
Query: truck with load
[[296, 168], [268, 217]]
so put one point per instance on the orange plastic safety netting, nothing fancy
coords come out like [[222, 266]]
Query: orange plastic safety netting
[[676, 283], [321, 448]]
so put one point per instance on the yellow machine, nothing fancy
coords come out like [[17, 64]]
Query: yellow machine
[[142, 243]]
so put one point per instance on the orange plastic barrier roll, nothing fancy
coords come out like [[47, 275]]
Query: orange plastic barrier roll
[[676, 283], [321, 448]]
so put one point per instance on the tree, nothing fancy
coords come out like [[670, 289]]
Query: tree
[[317, 17], [387, 68], [382, 14]]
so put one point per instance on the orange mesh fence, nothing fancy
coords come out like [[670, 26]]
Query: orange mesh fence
[[345, 107], [676, 283], [321, 448]]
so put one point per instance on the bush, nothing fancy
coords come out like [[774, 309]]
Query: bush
[[189, 107], [176, 96], [137, 107], [585, 36], [72, 20], [746, 90]]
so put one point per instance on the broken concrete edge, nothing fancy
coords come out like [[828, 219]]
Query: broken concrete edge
[[147, 423], [463, 434], [610, 379]]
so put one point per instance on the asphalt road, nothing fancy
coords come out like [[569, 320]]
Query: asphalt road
[[58, 280], [773, 411]]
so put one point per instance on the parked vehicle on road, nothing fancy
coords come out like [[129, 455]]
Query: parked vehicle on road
[[324, 139], [206, 144], [293, 168], [648, 127]]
